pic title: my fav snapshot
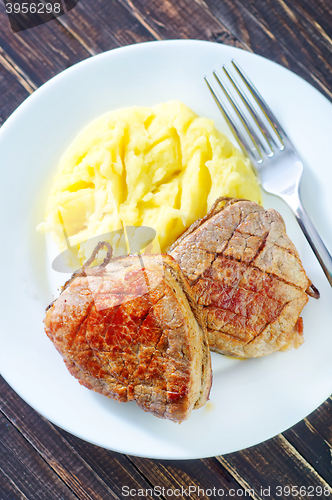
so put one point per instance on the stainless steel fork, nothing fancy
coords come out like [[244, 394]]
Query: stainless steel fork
[[271, 152]]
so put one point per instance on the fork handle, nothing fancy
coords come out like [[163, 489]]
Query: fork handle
[[315, 241]]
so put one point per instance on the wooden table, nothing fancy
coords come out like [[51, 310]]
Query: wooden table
[[41, 461]]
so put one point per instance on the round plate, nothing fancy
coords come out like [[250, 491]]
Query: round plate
[[251, 400]]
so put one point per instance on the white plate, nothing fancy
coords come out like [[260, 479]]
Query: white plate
[[252, 400]]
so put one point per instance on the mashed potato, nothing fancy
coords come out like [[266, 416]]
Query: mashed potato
[[160, 167]]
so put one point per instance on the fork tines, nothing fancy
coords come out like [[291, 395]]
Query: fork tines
[[262, 134]]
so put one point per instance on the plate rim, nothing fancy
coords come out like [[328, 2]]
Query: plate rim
[[30, 99]]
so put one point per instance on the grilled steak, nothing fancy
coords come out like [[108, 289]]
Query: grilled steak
[[132, 331], [247, 278]]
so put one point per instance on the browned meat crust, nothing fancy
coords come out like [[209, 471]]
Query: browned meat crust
[[132, 331], [247, 278]]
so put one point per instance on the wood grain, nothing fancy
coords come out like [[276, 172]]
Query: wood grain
[[90, 472], [181, 19], [294, 28], [101, 25], [202, 475], [318, 16], [104, 26], [40, 461], [114, 469], [27, 470], [9, 64], [8, 489], [271, 464], [273, 29], [312, 438], [39, 53], [12, 92]]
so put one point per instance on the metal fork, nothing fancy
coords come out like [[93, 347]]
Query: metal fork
[[271, 152]]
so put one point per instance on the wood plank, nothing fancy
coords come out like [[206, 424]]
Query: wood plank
[[101, 26], [274, 32], [114, 469], [41, 52], [312, 438], [296, 30], [181, 19], [7, 62], [318, 15], [271, 465], [90, 472], [26, 469], [305, 25], [11, 91], [175, 477], [8, 490]]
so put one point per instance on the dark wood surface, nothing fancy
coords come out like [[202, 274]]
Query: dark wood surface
[[39, 461]]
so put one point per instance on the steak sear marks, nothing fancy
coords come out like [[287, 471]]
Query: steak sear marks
[[135, 333], [247, 278]]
